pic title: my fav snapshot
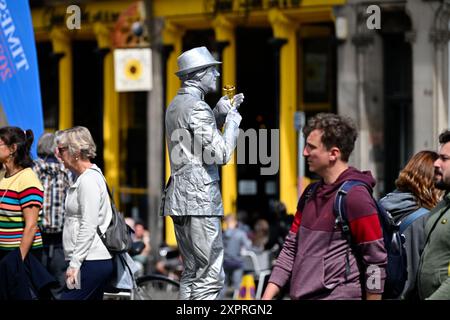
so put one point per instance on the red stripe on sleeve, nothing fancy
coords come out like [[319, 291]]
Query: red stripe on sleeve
[[31, 190], [9, 194], [366, 229], [296, 223]]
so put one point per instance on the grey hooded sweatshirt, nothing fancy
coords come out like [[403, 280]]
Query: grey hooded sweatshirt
[[400, 204]]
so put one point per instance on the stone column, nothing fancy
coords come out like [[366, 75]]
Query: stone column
[[425, 109]]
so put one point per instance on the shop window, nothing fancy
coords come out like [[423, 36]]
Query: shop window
[[133, 155], [88, 91], [317, 70]]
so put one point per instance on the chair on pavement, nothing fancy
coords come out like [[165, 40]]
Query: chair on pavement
[[260, 265]]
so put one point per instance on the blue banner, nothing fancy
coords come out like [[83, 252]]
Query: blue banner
[[20, 94]]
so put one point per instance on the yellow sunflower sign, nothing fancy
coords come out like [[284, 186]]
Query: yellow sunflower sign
[[132, 69]]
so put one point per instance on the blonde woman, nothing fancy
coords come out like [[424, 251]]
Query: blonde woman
[[87, 206]]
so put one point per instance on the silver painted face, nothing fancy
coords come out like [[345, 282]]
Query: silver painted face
[[209, 81]]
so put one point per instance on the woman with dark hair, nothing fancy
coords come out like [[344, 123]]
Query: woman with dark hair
[[415, 190], [21, 195]]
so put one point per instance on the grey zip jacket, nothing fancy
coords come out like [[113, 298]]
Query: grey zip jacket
[[196, 148], [400, 205]]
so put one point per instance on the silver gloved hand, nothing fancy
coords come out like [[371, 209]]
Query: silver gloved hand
[[234, 116], [221, 110], [237, 100]]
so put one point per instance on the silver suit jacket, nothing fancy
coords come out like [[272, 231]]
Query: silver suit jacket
[[193, 138]]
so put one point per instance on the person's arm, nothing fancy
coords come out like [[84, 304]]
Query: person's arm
[[367, 234], [442, 293], [272, 290], [373, 296], [88, 199], [223, 106], [146, 240], [217, 147], [282, 269], [414, 244], [246, 242], [221, 110], [30, 216], [30, 199]]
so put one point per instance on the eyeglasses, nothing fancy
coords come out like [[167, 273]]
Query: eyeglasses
[[61, 149]]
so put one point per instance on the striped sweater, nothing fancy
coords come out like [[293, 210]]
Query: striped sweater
[[17, 192]]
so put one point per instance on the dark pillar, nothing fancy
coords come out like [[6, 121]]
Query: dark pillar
[[100, 53], [276, 44]]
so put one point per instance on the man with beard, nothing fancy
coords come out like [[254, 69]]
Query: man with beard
[[196, 147], [434, 268]]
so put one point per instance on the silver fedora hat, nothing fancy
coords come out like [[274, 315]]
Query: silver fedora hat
[[195, 59]]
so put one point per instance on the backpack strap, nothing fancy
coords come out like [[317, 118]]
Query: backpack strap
[[309, 191], [99, 232], [106, 183], [339, 205], [405, 223], [342, 218]]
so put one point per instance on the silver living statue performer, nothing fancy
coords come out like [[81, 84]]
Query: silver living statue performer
[[192, 196]]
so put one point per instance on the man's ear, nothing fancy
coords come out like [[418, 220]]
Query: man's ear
[[335, 153]]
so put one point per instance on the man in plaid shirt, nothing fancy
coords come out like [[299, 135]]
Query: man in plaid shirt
[[55, 180]]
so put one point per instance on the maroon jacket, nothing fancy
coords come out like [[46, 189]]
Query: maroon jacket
[[314, 254]]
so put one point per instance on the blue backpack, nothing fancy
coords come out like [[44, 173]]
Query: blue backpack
[[396, 270]]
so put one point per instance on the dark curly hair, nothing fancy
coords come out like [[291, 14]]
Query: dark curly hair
[[417, 177], [338, 131], [444, 137], [23, 140]]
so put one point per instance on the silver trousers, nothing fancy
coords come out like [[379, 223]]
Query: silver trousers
[[200, 243]]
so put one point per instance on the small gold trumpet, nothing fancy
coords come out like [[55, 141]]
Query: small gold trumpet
[[230, 91]]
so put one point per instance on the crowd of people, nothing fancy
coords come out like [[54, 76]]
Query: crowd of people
[[316, 259], [51, 208]]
